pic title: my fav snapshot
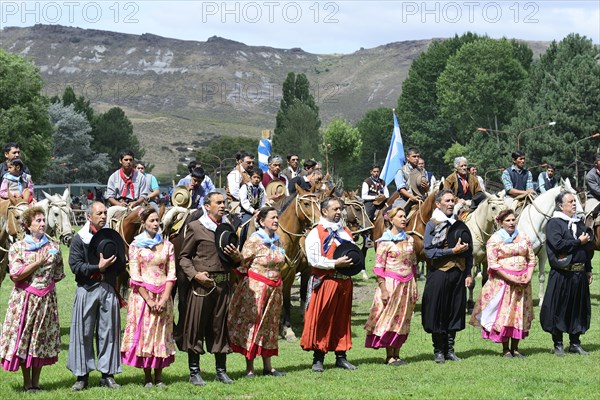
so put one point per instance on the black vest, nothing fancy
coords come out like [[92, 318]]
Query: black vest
[[518, 178]]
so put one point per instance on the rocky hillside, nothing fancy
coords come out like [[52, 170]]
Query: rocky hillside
[[182, 94]]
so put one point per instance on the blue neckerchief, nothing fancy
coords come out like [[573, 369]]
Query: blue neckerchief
[[389, 236], [9, 177], [332, 235], [144, 240], [269, 241], [506, 238], [36, 245]]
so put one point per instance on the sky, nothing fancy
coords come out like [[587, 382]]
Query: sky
[[322, 27]]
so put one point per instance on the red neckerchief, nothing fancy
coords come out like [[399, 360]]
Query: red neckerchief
[[214, 220], [322, 235], [463, 182], [128, 184]]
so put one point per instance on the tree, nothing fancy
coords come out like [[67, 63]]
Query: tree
[[563, 86], [344, 144], [24, 112], [72, 157], [112, 133], [375, 129], [479, 86], [80, 103], [291, 132]]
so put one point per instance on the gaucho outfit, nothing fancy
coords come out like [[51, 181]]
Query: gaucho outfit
[[327, 318], [444, 295], [371, 188], [566, 306]]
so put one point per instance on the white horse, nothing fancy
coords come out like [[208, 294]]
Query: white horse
[[533, 220], [58, 216], [481, 224]]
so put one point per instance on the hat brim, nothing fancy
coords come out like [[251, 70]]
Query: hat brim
[[108, 242], [352, 251], [224, 236], [181, 197], [275, 188]]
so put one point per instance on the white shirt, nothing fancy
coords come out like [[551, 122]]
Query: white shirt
[[234, 181], [245, 202], [364, 193], [313, 244]]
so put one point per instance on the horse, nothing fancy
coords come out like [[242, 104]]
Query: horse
[[58, 216], [481, 224], [533, 220], [293, 223], [10, 226]]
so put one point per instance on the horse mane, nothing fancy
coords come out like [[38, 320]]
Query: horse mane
[[287, 202]]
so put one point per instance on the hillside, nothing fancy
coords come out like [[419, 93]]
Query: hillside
[[182, 94]]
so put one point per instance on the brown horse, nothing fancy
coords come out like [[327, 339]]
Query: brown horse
[[10, 226], [300, 213]]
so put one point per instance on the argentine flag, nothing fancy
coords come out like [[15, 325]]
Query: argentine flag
[[264, 151], [395, 156]]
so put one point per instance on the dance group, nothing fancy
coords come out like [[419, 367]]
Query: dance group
[[220, 318]]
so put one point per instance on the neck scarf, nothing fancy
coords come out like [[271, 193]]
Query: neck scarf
[[332, 228], [86, 233], [128, 187], [210, 223], [463, 182], [439, 216], [572, 221], [144, 240], [9, 177], [440, 232], [33, 245], [268, 240], [506, 238], [389, 236]]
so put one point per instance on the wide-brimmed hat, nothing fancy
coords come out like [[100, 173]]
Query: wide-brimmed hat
[[225, 235], [353, 252], [109, 243], [459, 230], [275, 187], [181, 197]]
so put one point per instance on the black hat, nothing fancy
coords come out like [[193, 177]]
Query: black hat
[[225, 235], [459, 230], [352, 251], [108, 242]]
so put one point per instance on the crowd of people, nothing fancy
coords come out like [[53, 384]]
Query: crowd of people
[[218, 317]]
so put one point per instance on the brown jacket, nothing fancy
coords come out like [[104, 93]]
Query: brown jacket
[[199, 252], [451, 183]]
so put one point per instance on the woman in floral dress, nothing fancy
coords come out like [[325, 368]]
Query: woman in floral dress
[[504, 310], [255, 308], [31, 332], [148, 337], [388, 324]]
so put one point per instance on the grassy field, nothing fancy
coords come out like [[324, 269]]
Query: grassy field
[[483, 374]]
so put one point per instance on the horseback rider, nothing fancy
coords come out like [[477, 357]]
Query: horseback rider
[[237, 177], [465, 186], [252, 198], [126, 187], [274, 174], [411, 181], [546, 179], [306, 182], [473, 171], [293, 168], [592, 180], [517, 180], [430, 177], [374, 192]]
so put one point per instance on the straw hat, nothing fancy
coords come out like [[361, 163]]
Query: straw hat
[[181, 197]]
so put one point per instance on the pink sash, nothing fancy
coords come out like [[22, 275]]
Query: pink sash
[[383, 273], [30, 289]]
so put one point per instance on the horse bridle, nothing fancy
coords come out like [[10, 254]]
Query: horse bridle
[[358, 204], [61, 205]]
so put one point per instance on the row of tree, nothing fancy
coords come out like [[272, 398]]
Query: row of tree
[[466, 96]]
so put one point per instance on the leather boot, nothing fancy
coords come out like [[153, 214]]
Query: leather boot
[[221, 367], [342, 362], [557, 338], [438, 347], [450, 355], [318, 359], [575, 345], [194, 365]]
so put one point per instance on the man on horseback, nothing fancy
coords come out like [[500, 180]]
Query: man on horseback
[[411, 181], [273, 174], [12, 150], [592, 204], [306, 182], [293, 169], [518, 183], [151, 183], [126, 187], [199, 187], [236, 178], [374, 192], [546, 179], [467, 192]]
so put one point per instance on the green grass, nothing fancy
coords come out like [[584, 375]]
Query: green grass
[[482, 375]]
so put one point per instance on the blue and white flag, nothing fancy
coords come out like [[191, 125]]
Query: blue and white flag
[[395, 156], [264, 151]]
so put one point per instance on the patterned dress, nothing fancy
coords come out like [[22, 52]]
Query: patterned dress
[[388, 325], [148, 337], [31, 331], [505, 311], [255, 308]]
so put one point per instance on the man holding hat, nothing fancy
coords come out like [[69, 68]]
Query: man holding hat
[[207, 267], [448, 245], [274, 174], [96, 317], [327, 317]]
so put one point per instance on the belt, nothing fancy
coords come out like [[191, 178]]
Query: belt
[[337, 275], [577, 267], [219, 277]]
